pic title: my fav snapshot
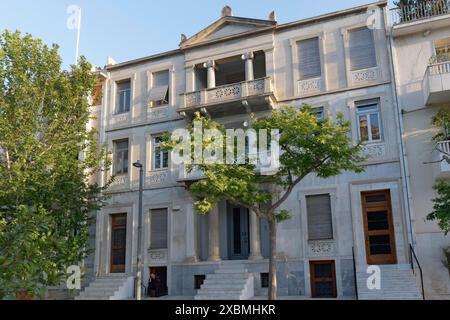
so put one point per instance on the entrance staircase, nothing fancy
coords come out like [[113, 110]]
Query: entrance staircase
[[397, 283], [231, 281], [108, 288]]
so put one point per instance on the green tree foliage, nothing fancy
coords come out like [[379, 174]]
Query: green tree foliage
[[441, 206], [307, 146], [442, 121], [46, 199]]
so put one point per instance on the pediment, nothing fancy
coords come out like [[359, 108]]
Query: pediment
[[226, 27]]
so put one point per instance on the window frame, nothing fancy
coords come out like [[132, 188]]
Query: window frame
[[349, 32], [319, 51], [160, 103], [117, 109], [368, 114], [115, 153], [161, 152], [331, 217], [151, 245]]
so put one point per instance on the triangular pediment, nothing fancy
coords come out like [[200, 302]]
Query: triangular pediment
[[226, 27]]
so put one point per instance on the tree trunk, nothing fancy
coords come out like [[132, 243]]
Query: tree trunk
[[273, 260]]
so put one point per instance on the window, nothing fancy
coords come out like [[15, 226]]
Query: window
[[123, 96], [323, 279], [198, 281], [160, 156], [309, 58], [369, 120], [319, 113], [362, 49], [318, 208], [264, 280], [159, 94], [442, 48], [120, 165], [158, 232]]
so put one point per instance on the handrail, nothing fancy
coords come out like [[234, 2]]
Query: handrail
[[418, 11], [354, 273], [412, 254]]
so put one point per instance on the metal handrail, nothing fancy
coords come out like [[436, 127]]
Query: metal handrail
[[412, 254], [354, 273], [418, 11]]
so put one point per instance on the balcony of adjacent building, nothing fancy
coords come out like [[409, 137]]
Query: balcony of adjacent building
[[441, 159], [436, 81], [420, 16], [229, 86]]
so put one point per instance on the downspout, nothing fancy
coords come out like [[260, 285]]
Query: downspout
[[403, 156]]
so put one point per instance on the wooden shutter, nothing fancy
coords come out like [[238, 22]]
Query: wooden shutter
[[158, 232], [362, 49], [319, 217], [309, 58]]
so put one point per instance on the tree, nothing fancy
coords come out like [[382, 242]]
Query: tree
[[442, 121], [307, 146], [46, 199], [441, 206]]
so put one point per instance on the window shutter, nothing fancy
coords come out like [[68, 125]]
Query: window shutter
[[158, 232], [362, 49], [319, 217], [309, 58], [158, 93]]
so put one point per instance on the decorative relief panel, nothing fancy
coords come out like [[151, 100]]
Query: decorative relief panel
[[365, 75], [157, 177], [255, 87], [159, 113], [119, 181], [310, 86], [321, 248], [225, 93], [374, 150], [121, 118], [192, 99], [157, 255]]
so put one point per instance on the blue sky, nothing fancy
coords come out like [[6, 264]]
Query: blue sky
[[129, 29]]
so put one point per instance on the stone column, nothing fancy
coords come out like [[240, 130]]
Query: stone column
[[255, 237], [190, 78], [191, 234], [248, 58], [211, 73], [214, 246]]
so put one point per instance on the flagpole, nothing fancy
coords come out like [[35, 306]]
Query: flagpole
[[78, 36]]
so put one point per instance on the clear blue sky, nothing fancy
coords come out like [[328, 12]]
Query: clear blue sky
[[129, 29]]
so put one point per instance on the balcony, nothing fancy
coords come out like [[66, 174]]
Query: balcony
[[236, 98], [441, 159], [436, 83], [419, 11]]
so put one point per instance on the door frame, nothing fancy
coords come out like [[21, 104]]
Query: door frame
[[244, 215], [114, 268], [385, 205], [312, 263]]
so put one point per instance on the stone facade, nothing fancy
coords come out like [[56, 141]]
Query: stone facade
[[268, 78]]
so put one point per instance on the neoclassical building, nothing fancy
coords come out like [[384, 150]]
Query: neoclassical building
[[338, 63]]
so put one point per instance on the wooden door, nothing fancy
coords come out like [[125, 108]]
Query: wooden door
[[378, 227], [118, 242], [323, 279], [238, 233]]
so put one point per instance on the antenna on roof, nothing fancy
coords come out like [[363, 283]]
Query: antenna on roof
[[272, 16]]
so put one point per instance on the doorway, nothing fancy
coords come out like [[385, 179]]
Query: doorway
[[118, 242], [238, 232], [378, 227]]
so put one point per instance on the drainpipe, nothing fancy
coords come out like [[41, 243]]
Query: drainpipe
[[403, 156]]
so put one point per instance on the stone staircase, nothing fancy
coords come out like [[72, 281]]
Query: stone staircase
[[108, 288], [397, 283], [231, 281]]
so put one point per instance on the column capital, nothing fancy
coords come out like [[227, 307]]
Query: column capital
[[209, 64], [247, 56]]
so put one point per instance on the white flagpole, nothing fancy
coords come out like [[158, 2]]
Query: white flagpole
[[78, 36]]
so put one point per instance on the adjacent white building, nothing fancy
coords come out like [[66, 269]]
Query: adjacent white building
[[338, 63]]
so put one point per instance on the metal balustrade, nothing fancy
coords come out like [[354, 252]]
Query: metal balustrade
[[419, 10]]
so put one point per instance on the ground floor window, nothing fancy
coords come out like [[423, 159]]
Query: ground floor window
[[323, 279]]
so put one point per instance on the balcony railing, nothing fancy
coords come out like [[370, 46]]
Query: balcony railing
[[420, 10], [441, 157], [439, 68], [229, 92]]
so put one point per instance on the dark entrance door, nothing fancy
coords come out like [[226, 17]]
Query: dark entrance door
[[238, 233], [118, 242]]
